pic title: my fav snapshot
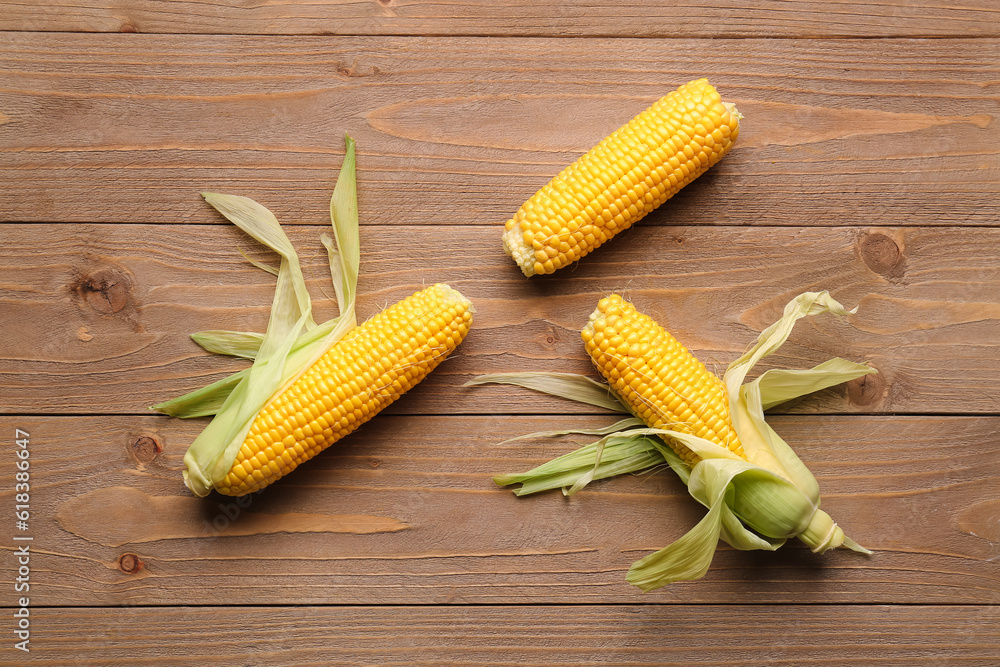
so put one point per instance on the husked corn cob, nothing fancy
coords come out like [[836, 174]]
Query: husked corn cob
[[657, 377], [369, 368], [631, 172]]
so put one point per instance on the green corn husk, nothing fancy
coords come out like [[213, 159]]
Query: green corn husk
[[757, 503], [293, 340], [567, 385]]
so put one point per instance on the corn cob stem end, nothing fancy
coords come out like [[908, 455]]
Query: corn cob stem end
[[822, 533], [451, 295], [514, 245], [195, 478]]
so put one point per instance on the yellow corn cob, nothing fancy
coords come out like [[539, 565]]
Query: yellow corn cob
[[663, 383], [631, 172], [369, 368]]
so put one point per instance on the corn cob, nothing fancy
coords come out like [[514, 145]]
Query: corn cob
[[628, 174], [758, 492], [657, 377], [369, 368]]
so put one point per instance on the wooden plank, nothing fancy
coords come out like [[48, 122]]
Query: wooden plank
[[576, 635], [404, 512], [461, 131], [718, 18], [927, 297]]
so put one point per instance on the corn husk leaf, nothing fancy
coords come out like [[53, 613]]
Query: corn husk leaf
[[774, 336], [771, 451], [713, 483], [291, 313], [630, 422], [779, 385], [291, 301], [685, 559], [344, 215], [736, 535], [680, 468], [752, 504], [208, 400], [244, 344], [733, 532], [203, 402], [260, 265], [760, 443], [619, 454], [572, 386], [292, 342]]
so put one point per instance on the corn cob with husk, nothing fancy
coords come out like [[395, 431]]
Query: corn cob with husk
[[710, 431], [631, 172], [369, 368], [311, 384]]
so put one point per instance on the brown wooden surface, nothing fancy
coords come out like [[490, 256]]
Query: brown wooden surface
[[928, 303], [460, 131], [867, 164], [415, 519], [543, 635], [542, 18]]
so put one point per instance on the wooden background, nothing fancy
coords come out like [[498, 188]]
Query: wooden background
[[867, 164]]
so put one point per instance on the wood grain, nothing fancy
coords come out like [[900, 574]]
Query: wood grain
[[719, 18], [113, 524], [868, 164], [97, 317], [460, 131], [621, 635]]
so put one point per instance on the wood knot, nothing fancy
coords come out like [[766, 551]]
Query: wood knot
[[127, 26], [145, 448], [349, 70], [374, 463], [549, 337], [130, 563], [355, 70], [882, 254], [107, 289], [866, 390]]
